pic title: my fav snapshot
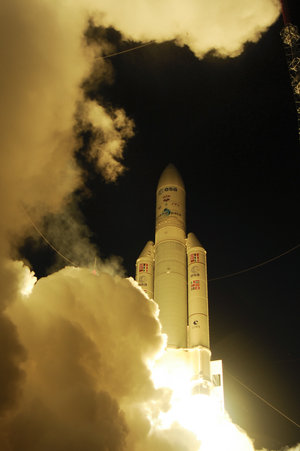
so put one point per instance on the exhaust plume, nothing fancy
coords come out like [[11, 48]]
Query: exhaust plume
[[89, 343]]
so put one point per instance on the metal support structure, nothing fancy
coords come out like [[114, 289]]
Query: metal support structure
[[291, 41]]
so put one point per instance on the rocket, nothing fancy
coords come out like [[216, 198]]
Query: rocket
[[173, 272]]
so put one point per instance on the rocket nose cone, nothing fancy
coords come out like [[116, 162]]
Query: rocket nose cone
[[170, 176]]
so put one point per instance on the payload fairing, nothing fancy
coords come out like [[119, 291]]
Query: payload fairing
[[173, 273]]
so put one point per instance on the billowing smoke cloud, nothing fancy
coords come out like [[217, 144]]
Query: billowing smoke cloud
[[42, 64], [296, 448], [87, 342], [88, 339], [87, 384], [223, 26], [44, 61], [73, 367], [109, 137]]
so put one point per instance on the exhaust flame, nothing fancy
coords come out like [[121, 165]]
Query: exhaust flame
[[28, 282], [200, 414]]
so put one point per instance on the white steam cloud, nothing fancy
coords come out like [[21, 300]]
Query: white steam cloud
[[110, 135], [44, 61], [75, 347], [87, 340], [86, 345], [223, 26], [294, 448]]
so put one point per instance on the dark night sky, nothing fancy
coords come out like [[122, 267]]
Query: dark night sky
[[230, 127]]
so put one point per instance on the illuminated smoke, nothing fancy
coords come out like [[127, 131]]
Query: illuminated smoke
[[223, 26], [88, 339], [110, 133], [296, 448], [44, 60], [92, 377]]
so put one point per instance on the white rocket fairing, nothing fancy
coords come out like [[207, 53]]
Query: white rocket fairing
[[173, 272]]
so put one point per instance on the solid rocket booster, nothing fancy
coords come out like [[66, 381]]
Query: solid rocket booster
[[173, 271], [145, 269], [197, 293]]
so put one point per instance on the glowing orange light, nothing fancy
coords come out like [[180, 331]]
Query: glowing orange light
[[198, 413]]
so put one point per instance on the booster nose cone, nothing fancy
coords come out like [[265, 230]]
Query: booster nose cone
[[192, 241], [170, 176]]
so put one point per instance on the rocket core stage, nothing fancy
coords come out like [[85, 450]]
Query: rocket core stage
[[173, 273]]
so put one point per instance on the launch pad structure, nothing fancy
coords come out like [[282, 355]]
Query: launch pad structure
[[291, 41], [173, 272]]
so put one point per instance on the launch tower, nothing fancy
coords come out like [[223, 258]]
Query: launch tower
[[291, 41]]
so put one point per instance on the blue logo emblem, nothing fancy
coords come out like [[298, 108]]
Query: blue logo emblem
[[166, 212]]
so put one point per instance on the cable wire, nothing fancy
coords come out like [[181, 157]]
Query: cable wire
[[226, 276], [47, 241], [128, 50], [209, 280], [262, 399], [233, 377]]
